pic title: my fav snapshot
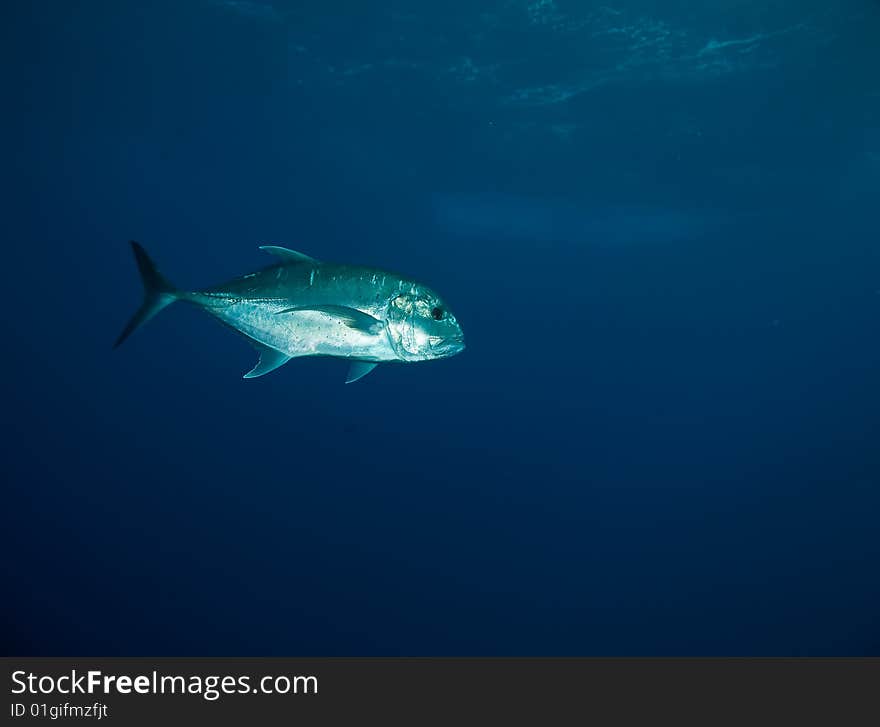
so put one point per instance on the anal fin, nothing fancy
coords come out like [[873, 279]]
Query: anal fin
[[270, 359]]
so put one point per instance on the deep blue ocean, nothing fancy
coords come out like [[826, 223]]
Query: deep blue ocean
[[657, 222]]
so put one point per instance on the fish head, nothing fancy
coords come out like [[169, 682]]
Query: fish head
[[421, 326]]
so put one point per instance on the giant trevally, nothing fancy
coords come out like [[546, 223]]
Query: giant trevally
[[302, 307]]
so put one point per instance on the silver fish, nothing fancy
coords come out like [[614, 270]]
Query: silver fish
[[302, 307]]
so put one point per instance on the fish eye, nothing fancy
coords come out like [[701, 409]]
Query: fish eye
[[438, 313]]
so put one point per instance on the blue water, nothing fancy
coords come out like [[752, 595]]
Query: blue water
[[657, 224]]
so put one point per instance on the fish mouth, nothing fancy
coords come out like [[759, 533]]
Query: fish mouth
[[445, 346]]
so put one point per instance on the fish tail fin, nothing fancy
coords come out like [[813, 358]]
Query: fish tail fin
[[158, 293]]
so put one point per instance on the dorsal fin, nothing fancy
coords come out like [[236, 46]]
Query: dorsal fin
[[288, 256]]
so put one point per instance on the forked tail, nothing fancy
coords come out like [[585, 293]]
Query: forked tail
[[158, 293]]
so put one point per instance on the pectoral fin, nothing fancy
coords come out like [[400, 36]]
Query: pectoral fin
[[351, 317], [358, 370], [270, 359]]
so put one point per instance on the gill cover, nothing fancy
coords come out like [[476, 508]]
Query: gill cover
[[401, 326]]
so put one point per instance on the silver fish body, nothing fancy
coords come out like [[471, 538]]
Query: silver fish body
[[302, 307]]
